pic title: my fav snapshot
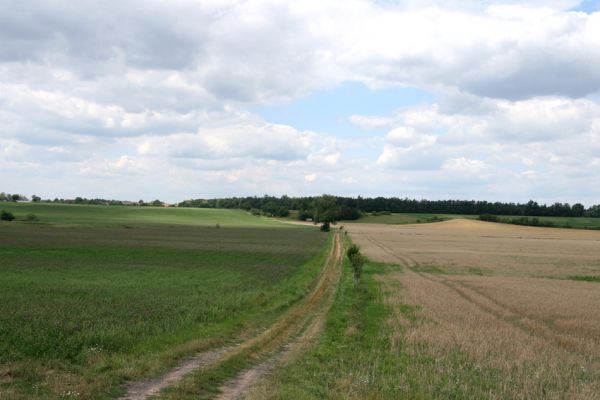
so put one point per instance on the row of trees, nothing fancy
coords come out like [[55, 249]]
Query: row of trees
[[7, 197], [348, 208], [13, 197], [96, 201], [324, 208], [516, 220]]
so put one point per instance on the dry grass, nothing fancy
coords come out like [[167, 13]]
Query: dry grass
[[529, 336], [455, 246]]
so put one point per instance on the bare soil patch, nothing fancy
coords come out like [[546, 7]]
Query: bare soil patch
[[145, 389]]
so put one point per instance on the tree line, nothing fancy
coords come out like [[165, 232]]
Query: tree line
[[337, 208], [325, 208], [349, 208], [7, 197]]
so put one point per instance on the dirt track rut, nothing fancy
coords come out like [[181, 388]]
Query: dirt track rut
[[290, 334]]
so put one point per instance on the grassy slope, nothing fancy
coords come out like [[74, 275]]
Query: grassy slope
[[93, 215], [409, 218], [84, 307]]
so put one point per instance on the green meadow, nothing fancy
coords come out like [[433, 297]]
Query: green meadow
[[93, 296], [98, 216]]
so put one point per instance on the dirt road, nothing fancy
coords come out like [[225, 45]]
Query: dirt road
[[290, 334]]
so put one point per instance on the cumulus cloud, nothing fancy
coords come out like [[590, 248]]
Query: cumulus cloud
[[264, 51], [273, 142], [405, 148], [465, 165], [475, 5], [409, 138], [541, 119], [165, 92], [310, 178]]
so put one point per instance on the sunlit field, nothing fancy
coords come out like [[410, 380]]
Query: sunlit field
[[417, 218], [100, 215], [459, 309], [93, 296]]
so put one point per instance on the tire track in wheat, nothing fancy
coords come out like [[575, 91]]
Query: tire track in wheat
[[487, 304]]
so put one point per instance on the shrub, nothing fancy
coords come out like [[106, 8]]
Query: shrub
[[357, 261], [325, 227], [352, 251], [31, 217], [6, 216]]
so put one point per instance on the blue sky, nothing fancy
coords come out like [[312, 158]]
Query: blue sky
[[470, 99], [330, 110], [588, 6]]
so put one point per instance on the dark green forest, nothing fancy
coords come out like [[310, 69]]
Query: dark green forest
[[349, 208]]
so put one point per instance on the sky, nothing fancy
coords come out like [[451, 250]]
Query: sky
[[179, 99]]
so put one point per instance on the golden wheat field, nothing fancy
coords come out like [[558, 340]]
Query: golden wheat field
[[513, 300]]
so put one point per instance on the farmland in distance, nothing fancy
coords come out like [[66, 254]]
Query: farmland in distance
[[417, 218]]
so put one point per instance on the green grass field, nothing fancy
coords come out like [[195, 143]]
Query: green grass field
[[91, 296], [93, 215]]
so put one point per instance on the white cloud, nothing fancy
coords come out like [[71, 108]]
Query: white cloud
[[268, 141], [540, 119], [409, 138], [165, 95], [264, 51], [465, 165], [310, 178], [478, 5]]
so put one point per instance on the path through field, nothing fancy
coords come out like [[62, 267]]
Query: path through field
[[289, 335], [500, 294]]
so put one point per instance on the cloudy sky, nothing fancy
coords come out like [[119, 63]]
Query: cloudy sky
[[469, 99]]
